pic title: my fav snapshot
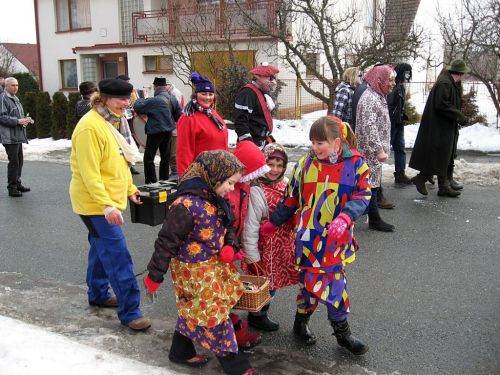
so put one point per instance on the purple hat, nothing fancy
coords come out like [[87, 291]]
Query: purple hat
[[201, 83]]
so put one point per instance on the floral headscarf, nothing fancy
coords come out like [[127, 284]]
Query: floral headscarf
[[378, 78]]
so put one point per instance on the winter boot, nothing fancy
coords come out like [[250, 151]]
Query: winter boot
[[375, 222], [444, 188], [236, 364], [346, 339], [383, 202], [401, 178], [419, 182], [453, 184], [261, 320], [301, 329], [15, 193], [244, 338]]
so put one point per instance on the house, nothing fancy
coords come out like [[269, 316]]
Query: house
[[19, 58], [88, 40]]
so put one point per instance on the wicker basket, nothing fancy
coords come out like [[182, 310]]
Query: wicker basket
[[254, 300]]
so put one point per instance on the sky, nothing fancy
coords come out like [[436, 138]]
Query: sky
[[17, 24]]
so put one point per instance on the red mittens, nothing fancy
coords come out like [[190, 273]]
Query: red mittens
[[268, 228], [226, 254], [151, 285]]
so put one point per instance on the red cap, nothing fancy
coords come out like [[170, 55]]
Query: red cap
[[265, 70]]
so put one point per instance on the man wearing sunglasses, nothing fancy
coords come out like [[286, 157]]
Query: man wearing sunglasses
[[252, 114]]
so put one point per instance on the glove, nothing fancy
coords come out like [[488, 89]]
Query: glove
[[338, 226], [268, 228], [151, 286], [226, 254], [238, 256]]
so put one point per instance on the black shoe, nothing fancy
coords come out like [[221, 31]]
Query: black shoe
[[262, 322], [23, 189], [385, 204], [419, 182], [455, 185], [134, 171], [15, 193], [345, 339], [380, 225], [401, 178], [301, 329], [448, 192]]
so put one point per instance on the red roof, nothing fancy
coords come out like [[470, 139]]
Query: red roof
[[26, 54]]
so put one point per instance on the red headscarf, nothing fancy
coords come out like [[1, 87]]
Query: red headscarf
[[378, 78]]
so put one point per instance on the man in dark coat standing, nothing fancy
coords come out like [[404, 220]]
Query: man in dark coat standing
[[437, 137]]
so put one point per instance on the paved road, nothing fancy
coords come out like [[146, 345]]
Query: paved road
[[426, 297]]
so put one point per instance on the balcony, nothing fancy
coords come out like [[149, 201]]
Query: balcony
[[210, 21]]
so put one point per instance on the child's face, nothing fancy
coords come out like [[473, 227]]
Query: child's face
[[277, 169], [222, 189], [323, 149]]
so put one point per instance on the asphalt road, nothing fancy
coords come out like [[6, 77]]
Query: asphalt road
[[426, 297]]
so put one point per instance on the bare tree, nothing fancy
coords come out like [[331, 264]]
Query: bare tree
[[6, 62], [475, 37], [335, 31]]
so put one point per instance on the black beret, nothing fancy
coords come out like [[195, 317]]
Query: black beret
[[160, 81], [116, 88], [123, 77]]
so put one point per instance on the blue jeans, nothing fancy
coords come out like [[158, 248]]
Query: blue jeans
[[110, 263], [398, 146]]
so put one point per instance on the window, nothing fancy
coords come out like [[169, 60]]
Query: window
[[110, 69], [312, 64], [371, 13], [68, 74], [72, 14], [159, 64]]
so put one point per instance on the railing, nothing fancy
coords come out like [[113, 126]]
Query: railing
[[206, 20]]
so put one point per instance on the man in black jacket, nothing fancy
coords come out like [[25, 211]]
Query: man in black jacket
[[396, 101]]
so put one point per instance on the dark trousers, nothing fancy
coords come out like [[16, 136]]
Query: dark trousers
[[173, 159], [398, 146], [15, 166], [110, 263], [153, 143]]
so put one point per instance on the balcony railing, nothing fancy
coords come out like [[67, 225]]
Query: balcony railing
[[210, 21]]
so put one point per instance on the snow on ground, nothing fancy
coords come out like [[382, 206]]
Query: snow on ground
[[26, 349]]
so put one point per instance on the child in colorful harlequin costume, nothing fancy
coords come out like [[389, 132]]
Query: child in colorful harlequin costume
[[327, 192], [271, 256], [191, 242]]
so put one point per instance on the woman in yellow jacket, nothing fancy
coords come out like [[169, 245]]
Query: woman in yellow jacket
[[100, 185]]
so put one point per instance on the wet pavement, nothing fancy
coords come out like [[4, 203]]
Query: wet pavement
[[425, 297]]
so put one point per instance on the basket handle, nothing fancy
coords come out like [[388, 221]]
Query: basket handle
[[258, 267]]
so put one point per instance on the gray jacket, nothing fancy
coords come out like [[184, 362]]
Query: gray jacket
[[11, 110]]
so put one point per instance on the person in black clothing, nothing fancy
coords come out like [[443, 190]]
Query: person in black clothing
[[396, 101], [87, 90], [253, 106]]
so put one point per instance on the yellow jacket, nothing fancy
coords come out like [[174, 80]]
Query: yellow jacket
[[101, 175]]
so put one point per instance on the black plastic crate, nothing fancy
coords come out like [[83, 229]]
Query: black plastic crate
[[156, 198]]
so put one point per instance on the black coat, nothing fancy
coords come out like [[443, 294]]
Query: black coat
[[396, 103], [437, 135]]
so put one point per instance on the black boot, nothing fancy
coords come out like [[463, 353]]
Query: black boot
[[444, 188], [15, 193], [419, 181], [236, 364], [375, 222], [401, 178], [346, 339], [453, 184], [301, 329], [262, 321]]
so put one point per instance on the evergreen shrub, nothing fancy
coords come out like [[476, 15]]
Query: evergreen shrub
[[44, 115], [29, 106], [71, 120], [59, 115]]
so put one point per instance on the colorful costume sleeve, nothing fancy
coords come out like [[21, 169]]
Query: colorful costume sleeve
[[176, 227], [360, 197]]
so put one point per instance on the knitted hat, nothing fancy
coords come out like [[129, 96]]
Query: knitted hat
[[201, 83], [115, 88], [160, 81], [253, 158], [265, 70]]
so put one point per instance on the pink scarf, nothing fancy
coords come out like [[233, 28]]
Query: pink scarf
[[378, 78]]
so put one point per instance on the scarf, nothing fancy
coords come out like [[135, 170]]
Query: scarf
[[378, 78], [209, 169], [193, 106], [122, 135]]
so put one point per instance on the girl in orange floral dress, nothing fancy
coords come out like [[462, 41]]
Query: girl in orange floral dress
[[193, 236]]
